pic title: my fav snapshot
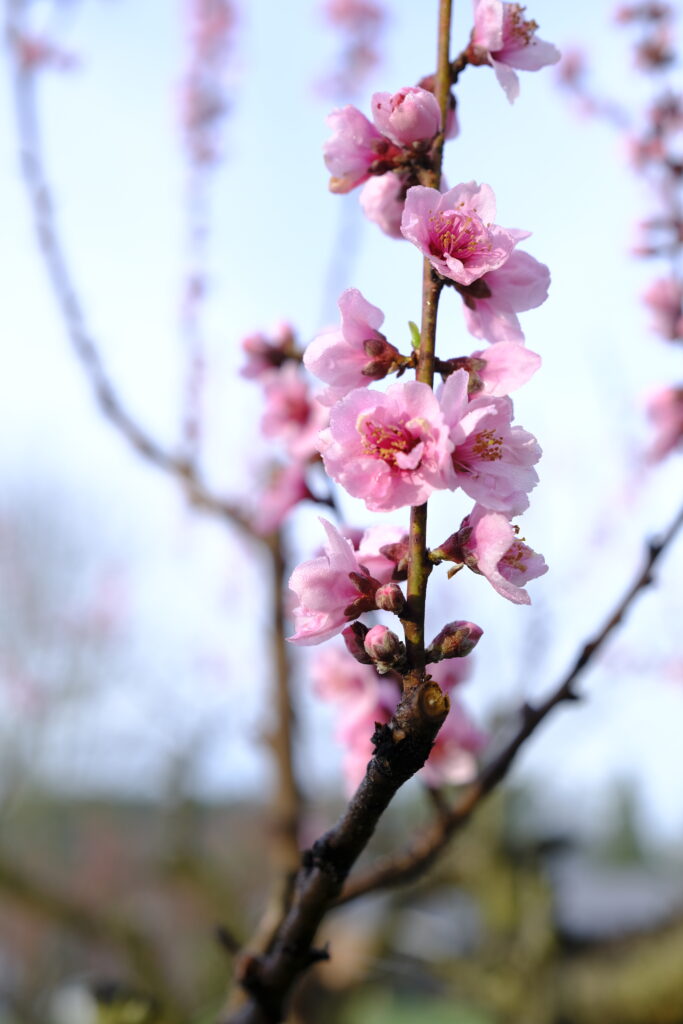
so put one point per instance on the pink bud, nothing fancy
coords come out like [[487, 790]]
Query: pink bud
[[390, 598], [384, 648], [456, 640], [410, 115]]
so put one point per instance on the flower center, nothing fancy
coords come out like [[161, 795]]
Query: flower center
[[386, 440], [460, 235], [515, 557], [516, 31], [488, 445]]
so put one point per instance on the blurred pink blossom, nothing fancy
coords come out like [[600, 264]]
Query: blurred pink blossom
[[665, 409], [382, 199], [292, 414]]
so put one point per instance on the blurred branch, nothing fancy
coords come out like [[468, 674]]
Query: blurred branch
[[407, 865], [95, 924], [84, 345]]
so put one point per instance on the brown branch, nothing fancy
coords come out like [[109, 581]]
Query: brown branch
[[401, 748], [413, 861], [99, 926], [82, 342]]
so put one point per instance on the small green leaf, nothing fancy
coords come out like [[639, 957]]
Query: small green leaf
[[414, 334]]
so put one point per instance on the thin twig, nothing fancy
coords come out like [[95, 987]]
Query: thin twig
[[413, 861], [83, 343]]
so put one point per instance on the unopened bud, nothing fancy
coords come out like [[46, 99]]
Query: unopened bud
[[453, 548], [381, 357], [397, 553], [389, 598], [384, 648], [354, 635], [456, 640]]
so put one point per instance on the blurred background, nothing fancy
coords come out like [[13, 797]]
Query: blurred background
[[134, 673]]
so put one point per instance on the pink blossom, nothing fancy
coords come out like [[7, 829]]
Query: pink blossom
[[370, 550], [355, 145], [354, 354], [492, 549], [492, 304], [265, 353], [292, 414], [451, 672], [408, 116], [664, 297], [452, 761], [502, 38], [284, 490], [382, 199], [665, 409], [358, 721], [492, 460], [506, 366], [331, 590], [391, 448], [337, 676], [455, 230]]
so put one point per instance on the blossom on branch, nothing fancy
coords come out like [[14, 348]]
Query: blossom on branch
[[354, 354], [354, 147], [408, 116], [503, 38], [455, 230], [491, 460], [491, 306], [389, 448], [331, 590], [487, 543]]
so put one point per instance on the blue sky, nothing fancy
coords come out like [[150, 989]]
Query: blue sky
[[115, 159]]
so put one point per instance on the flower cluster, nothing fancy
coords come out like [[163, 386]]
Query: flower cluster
[[394, 446], [292, 419]]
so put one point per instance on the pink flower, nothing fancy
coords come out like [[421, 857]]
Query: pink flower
[[455, 230], [665, 409], [506, 366], [292, 415], [520, 284], [492, 460], [355, 145], [451, 672], [382, 199], [664, 298], [493, 550], [370, 550], [358, 721], [502, 38], [452, 761], [285, 489], [352, 355], [337, 676], [331, 590], [391, 448], [410, 115], [265, 354]]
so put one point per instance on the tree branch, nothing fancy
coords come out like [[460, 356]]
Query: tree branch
[[413, 861]]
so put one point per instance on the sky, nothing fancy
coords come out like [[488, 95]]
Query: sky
[[184, 669]]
